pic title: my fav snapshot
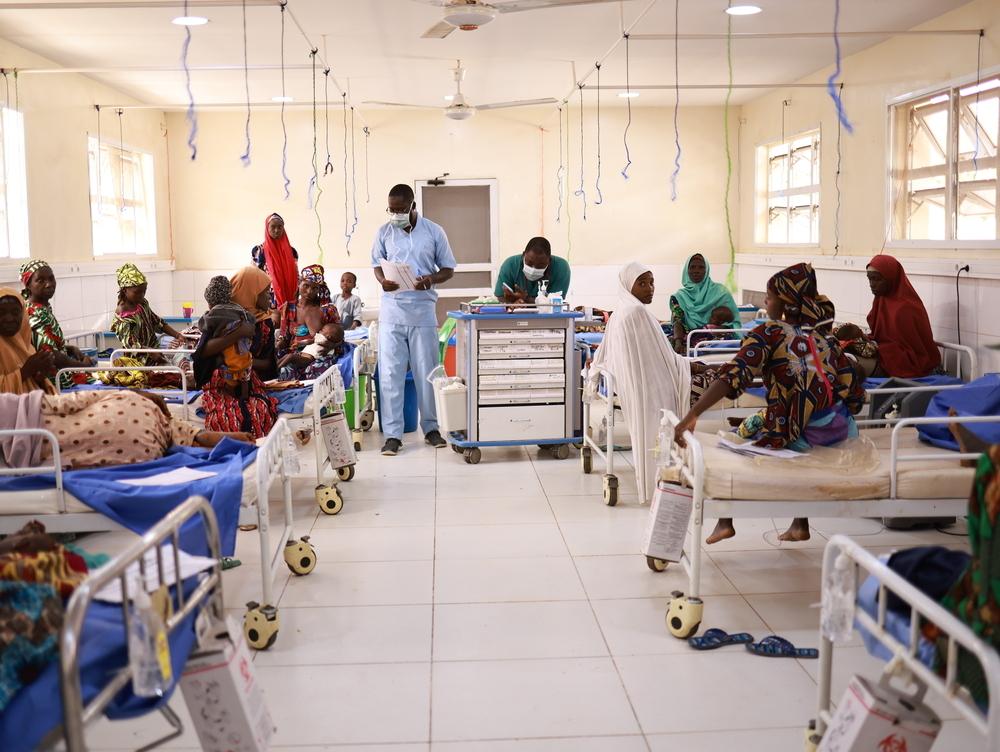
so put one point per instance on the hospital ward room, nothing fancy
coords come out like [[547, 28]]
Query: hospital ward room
[[500, 375]]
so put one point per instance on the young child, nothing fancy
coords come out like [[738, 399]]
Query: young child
[[223, 317], [348, 304], [135, 324], [721, 318], [314, 359]]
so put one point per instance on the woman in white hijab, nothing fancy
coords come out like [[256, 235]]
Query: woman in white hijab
[[648, 374]]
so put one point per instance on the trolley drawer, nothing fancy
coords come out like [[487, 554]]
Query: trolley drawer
[[522, 423], [525, 365], [520, 336], [533, 350], [521, 396], [522, 380]]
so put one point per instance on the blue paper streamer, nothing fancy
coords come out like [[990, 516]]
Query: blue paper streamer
[[628, 124], [677, 103], [831, 86], [192, 117]]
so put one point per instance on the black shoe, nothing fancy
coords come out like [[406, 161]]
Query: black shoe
[[434, 439], [392, 447]]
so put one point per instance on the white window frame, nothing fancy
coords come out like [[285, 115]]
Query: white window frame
[[15, 186], [892, 196], [149, 191], [494, 262], [762, 194]]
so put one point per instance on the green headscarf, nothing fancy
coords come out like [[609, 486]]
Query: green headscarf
[[698, 300]]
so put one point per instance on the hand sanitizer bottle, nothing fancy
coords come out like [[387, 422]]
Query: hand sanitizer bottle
[[543, 297]]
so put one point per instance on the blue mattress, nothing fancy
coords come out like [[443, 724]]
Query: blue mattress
[[173, 396]]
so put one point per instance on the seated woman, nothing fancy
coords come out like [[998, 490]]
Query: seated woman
[[135, 324], [22, 368], [47, 336], [302, 319], [233, 395], [812, 389], [691, 307], [899, 324], [648, 374], [246, 289], [519, 276]]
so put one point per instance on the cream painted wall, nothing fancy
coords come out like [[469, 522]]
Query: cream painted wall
[[638, 220], [219, 206], [871, 77], [58, 115]]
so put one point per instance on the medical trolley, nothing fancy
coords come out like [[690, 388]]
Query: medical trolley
[[521, 369]]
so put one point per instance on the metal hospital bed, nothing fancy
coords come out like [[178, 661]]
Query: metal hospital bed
[[905, 661], [911, 480]]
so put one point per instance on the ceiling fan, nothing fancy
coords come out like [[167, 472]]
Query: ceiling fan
[[469, 15], [459, 109]]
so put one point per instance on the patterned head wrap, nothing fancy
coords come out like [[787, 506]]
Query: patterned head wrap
[[219, 291], [130, 276], [316, 274], [796, 288], [28, 269]]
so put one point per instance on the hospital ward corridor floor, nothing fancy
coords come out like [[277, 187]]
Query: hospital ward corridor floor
[[503, 607]]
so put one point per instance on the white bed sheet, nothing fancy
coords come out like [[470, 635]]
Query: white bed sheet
[[731, 476]]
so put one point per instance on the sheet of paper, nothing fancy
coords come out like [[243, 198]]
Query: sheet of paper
[[190, 565], [750, 450], [170, 478], [402, 274]]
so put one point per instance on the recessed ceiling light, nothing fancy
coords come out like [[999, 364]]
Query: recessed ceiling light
[[190, 21], [628, 94], [448, 97], [282, 99], [743, 10]]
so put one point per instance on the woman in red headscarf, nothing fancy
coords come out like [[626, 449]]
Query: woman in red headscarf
[[899, 323], [277, 257]]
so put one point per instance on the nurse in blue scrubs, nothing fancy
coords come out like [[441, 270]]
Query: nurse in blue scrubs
[[407, 322]]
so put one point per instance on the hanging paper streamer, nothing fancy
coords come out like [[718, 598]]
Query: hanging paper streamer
[[192, 118], [98, 155], [121, 156], [628, 104], [597, 182], [559, 172], [284, 129], [314, 182], [354, 179], [315, 176], [836, 183], [368, 132], [677, 102], [569, 213], [582, 191], [831, 88], [245, 157], [17, 93], [731, 277], [328, 168]]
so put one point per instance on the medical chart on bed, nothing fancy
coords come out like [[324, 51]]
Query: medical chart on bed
[[190, 565], [400, 273], [751, 450]]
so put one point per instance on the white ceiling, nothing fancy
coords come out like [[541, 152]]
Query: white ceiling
[[375, 45]]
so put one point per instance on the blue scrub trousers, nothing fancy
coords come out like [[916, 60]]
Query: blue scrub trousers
[[400, 346]]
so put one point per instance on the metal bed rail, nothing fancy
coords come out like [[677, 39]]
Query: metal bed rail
[[600, 375], [922, 609], [732, 344], [55, 467], [364, 360], [126, 369], [328, 393], [271, 467], [960, 351], [207, 594]]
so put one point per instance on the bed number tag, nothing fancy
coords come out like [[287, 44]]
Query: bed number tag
[[163, 656]]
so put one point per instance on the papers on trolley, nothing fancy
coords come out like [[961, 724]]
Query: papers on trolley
[[751, 450], [400, 273]]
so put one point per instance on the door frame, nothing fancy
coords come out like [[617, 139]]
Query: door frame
[[490, 266]]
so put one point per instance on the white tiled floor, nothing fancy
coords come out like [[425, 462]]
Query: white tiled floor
[[503, 608]]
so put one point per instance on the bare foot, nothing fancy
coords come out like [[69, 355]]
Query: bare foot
[[209, 439], [723, 529], [797, 531]]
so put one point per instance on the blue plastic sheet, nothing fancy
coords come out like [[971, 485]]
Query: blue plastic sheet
[[897, 624], [939, 380], [979, 397]]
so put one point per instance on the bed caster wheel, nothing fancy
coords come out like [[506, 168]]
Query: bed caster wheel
[[346, 472], [356, 437], [684, 615], [657, 565], [260, 625], [560, 451], [610, 490], [812, 738], [456, 449], [329, 499], [367, 420], [300, 556], [472, 456], [587, 459]]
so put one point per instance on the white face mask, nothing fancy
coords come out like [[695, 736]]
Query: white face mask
[[402, 221], [532, 274]]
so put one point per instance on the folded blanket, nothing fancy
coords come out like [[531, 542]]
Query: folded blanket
[[21, 411]]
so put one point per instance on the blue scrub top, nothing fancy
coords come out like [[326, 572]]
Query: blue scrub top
[[426, 249]]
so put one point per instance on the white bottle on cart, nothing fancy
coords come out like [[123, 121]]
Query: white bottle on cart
[[542, 301]]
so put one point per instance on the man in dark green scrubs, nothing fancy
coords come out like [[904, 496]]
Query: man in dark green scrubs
[[520, 275]]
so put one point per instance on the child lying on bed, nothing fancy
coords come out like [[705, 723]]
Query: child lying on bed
[[97, 428], [313, 360]]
